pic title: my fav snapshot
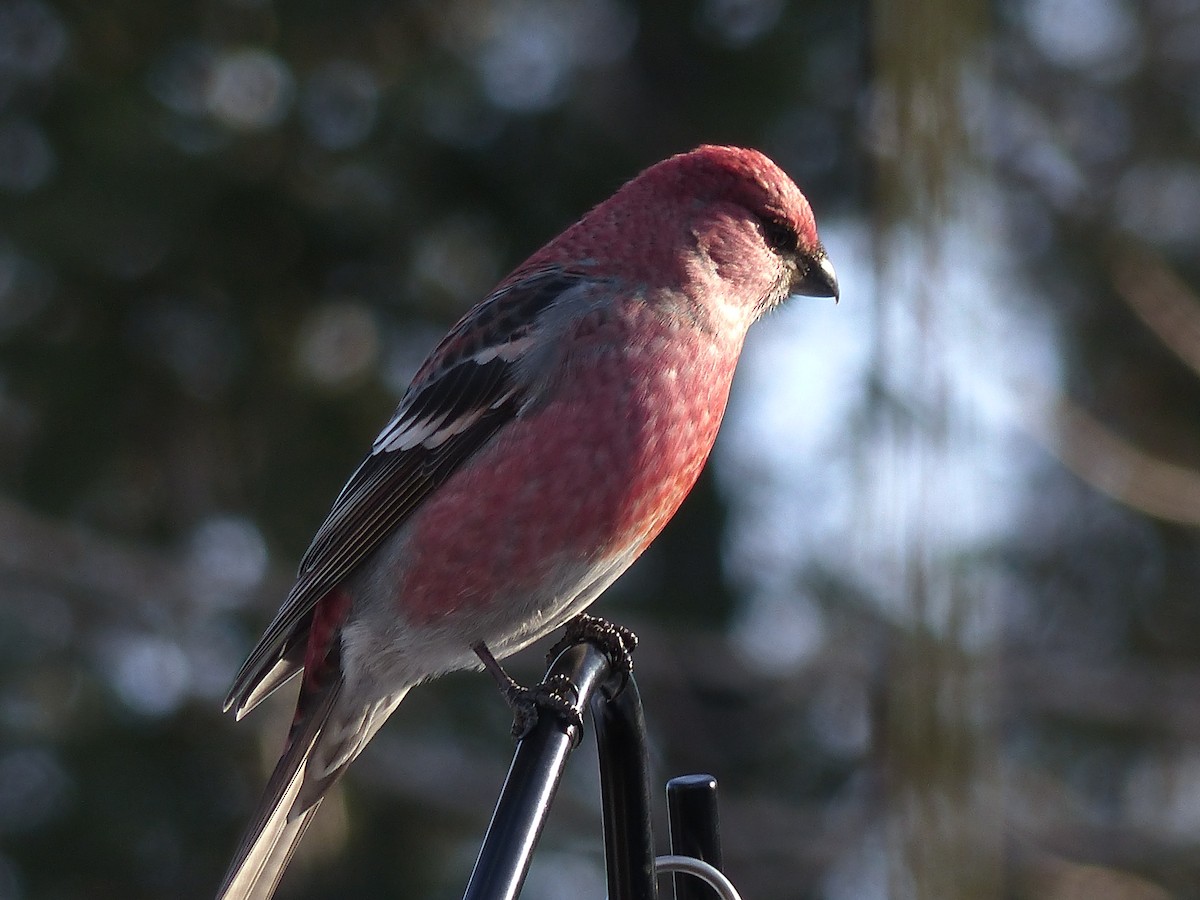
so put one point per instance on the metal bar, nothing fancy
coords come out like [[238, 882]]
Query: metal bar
[[625, 793], [531, 784], [695, 830]]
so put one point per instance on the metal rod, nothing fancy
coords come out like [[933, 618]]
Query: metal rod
[[531, 784], [695, 830], [625, 793], [707, 873]]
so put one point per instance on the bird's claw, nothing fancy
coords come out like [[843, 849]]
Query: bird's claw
[[557, 695], [616, 641]]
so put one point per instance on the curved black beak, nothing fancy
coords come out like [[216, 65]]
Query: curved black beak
[[817, 279]]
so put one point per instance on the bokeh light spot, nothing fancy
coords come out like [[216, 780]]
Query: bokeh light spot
[[458, 257], [339, 105], [338, 343], [226, 557], [1160, 201], [738, 23], [26, 157], [250, 89], [150, 673], [1083, 33], [526, 52], [34, 789], [181, 79], [33, 39]]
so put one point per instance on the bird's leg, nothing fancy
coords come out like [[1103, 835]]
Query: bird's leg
[[617, 641], [553, 694]]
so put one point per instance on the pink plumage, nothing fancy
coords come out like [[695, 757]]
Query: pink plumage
[[538, 451]]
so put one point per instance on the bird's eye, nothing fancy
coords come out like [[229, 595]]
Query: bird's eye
[[779, 235]]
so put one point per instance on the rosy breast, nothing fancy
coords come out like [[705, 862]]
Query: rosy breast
[[595, 470]]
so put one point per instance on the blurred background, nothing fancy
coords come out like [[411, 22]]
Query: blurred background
[[930, 617]]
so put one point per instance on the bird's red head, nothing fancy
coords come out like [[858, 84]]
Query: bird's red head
[[734, 204], [748, 179]]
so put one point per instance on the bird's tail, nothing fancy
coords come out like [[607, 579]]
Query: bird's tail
[[323, 741], [279, 822]]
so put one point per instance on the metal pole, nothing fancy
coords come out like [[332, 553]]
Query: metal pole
[[695, 829], [531, 784], [625, 793]]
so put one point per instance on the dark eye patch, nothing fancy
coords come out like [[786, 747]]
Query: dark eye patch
[[779, 235]]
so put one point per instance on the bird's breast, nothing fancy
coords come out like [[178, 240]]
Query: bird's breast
[[592, 472]]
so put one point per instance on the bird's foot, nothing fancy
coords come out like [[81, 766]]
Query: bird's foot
[[557, 695], [616, 641]]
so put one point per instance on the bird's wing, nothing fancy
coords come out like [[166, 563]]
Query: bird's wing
[[465, 392]]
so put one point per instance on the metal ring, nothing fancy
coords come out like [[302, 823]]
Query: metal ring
[[692, 866]]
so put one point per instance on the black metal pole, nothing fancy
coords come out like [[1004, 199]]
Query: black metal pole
[[532, 781], [695, 830], [625, 793]]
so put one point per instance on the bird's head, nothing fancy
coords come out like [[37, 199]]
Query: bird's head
[[746, 185], [722, 224]]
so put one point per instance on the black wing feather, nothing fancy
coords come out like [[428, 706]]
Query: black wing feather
[[390, 484]]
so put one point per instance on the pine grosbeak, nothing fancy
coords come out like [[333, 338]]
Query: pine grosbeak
[[541, 447]]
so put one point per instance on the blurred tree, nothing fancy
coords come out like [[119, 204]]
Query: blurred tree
[[922, 655]]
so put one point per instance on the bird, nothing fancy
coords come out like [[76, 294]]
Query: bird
[[539, 449]]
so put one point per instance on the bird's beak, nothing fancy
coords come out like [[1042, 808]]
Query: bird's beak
[[818, 279]]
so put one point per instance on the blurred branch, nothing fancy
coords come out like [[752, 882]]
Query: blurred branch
[[1046, 876], [1096, 453], [1160, 298], [1116, 467]]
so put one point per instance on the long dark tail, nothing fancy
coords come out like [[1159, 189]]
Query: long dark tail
[[321, 744], [279, 822]]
